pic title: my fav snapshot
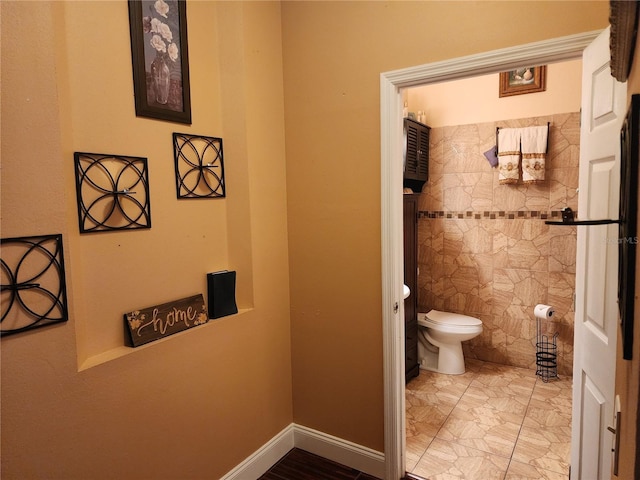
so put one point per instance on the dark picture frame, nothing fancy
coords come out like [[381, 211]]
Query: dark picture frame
[[523, 80], [628, 227], [160, 59]]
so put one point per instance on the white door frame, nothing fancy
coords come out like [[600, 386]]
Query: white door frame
[[538, 53]]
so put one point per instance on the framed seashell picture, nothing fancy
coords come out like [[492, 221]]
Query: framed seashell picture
[[523, 80]]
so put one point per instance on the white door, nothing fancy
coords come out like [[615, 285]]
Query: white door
[[596, 322]]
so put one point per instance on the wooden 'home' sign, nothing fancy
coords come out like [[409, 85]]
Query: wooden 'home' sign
[[153, 323]]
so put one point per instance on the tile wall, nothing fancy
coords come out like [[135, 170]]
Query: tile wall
[[484, 249]]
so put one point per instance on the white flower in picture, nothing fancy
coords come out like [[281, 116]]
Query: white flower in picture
[[162, 8], [158, 44], [172, 50], [165, 31], [162, 36]]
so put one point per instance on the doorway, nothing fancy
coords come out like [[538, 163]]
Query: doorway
[[391, 83]]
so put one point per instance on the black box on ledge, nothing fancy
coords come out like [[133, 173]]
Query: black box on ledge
[[221, 293]]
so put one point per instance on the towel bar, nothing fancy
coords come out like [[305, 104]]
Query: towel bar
[[569, 219], [498, 130], [583, 222]]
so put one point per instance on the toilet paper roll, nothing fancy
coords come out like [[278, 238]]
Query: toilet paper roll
[[543, 311]]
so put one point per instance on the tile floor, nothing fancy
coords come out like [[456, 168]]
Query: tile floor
[[494, 422]]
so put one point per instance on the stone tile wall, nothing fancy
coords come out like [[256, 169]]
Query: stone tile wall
[[484, 249]]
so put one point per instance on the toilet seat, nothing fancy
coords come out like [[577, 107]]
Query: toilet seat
[[449, 322]]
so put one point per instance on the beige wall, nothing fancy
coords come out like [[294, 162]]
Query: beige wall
[[476, 100], [334, 53], [75, 403]]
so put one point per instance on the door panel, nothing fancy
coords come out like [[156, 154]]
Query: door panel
[[601, 175], [596, 320], [602, 99], [593, 411]]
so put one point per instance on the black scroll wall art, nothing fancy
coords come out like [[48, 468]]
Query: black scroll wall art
[[33, 289], [199, 166], [112, 191]]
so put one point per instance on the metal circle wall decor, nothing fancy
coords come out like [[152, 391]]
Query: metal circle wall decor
[[199, 166], [112, 192], [33, 289]]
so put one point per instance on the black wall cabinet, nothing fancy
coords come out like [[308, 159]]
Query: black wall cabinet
[[416, 158]]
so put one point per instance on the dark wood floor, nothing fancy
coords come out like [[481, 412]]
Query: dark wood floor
[[301, 465]]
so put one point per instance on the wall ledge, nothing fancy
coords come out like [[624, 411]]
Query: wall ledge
[[123, 350]]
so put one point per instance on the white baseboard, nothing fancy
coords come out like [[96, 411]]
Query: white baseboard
[[264, 458], [333, 448], [342, 451]]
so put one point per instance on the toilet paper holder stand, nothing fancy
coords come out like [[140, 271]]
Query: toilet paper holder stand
[[546, 353]]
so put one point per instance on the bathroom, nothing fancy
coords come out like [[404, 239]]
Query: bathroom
[[485, 251]]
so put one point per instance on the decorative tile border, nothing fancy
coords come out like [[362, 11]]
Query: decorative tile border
[[492, 215]]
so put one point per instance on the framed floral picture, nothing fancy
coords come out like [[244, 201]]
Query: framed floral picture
[[160, 59], [523, 80]]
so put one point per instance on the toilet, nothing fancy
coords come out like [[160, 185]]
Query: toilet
[[440, 337]]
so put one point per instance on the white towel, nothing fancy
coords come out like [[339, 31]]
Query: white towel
[[508, 155], [534, 153]]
